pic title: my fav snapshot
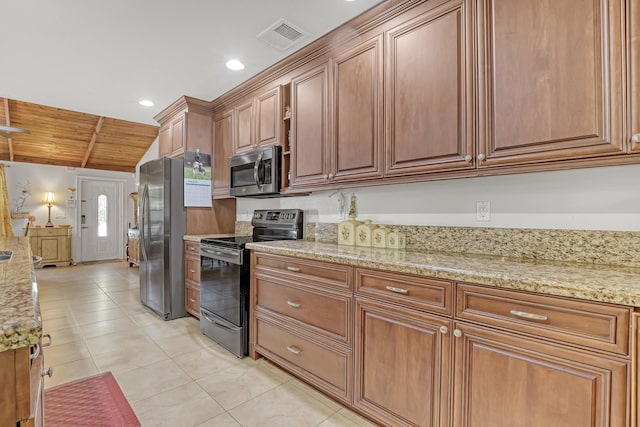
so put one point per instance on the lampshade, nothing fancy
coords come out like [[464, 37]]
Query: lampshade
[[49, 198]]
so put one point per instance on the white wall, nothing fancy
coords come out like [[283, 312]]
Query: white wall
[[605, 198], [58, 179], [152, 153]]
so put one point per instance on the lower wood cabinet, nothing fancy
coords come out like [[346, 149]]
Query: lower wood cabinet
[[403, 360], [431, 352], [192, 278], [53, 244], [22, 387], [503, 380]]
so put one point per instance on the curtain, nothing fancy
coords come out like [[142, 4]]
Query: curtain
[[5, 216]]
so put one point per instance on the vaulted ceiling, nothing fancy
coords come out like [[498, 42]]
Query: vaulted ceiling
[[69, 138]]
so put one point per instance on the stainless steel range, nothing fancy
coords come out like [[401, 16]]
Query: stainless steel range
[[224, 277]]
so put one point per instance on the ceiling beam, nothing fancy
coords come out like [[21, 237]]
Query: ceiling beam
[[8, 123], [93, 142]]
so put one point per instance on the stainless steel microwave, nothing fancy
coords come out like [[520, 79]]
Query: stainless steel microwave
[[256, 173]]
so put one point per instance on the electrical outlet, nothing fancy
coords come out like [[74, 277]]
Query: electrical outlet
[[483, 211]]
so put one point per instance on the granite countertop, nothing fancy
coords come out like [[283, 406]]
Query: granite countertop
[[612, 284], [20, 320]]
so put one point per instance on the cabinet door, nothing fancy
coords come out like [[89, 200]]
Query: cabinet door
[[222, 147], [634, 80], [243, 116], [268, 117], [550, 78], [503, 381], [310, 127], [164, 137], [50, 248], [358, 112], [177, 134], [402, 365], [430, 101]]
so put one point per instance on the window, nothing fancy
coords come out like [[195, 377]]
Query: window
[[102, 215]]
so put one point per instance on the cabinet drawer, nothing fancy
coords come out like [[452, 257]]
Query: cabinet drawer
[[321, 273], [47, 232], [594, 325], [192, 248], [192, 268], [419, 292], [323, 365], [328, 313], [192, 300]]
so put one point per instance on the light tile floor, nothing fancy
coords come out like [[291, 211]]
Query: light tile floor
[[171, 374]]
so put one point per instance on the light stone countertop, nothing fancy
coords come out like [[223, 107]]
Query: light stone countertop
[[20, 320], [612, 284]]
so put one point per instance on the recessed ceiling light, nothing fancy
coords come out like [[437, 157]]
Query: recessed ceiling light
[[146, 103], [235, 65]]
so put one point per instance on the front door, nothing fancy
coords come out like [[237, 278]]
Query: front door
[[101, 222]]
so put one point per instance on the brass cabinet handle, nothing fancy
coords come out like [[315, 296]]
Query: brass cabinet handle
[[444, 329], [50, 340], [293, 269], [192, 300], [528, 316], [294, 304], [397, 290], [48, 373], [293, 349], [636, 138]]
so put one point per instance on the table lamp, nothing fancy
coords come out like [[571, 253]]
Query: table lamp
[[49, 199]]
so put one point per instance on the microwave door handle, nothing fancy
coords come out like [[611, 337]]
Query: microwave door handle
[[256, 176]]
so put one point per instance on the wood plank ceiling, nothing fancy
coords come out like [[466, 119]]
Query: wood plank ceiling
[[69, 138]]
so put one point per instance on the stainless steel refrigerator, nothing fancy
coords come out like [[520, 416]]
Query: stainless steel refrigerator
[[162, 227]]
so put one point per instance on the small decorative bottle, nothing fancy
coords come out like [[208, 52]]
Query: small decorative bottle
[[396, 240], [347, 228], [363, 233], [379, 237]]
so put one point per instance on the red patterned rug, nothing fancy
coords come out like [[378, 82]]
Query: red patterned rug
[[93, 401]]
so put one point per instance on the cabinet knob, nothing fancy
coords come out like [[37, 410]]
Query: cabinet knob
[[192, 300], [457, 333], [480, 157], [444, 329], [636, 138], [330, 176], [468, 158], [325, 176], [192, 271], [48, 373]]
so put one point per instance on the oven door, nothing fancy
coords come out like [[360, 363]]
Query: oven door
[[224, 284]]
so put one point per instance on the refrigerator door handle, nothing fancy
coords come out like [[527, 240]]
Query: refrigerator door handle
[[143, 223]]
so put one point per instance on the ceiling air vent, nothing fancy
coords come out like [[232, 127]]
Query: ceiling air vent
[[282, 35]]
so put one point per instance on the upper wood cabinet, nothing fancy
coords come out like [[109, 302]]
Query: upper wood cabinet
[[357, 149], [222, 150], [258, 121], [268, 117], [186, 125], [550, 80], [243, 136], [430, 92], [310, 143]]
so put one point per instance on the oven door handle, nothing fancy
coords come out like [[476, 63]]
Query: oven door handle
[[215, 322], [256, 167]]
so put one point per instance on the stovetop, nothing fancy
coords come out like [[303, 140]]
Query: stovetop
[[231, 242]]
